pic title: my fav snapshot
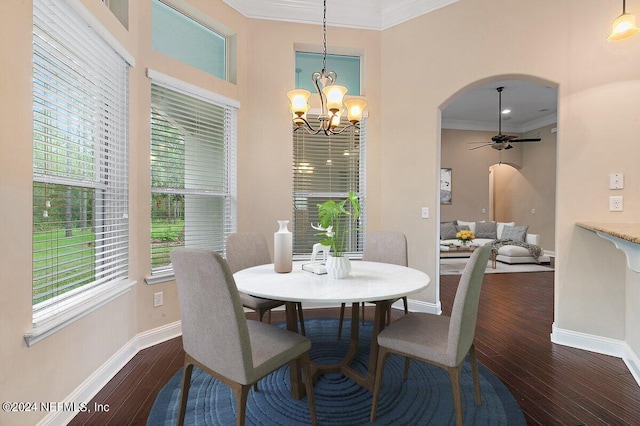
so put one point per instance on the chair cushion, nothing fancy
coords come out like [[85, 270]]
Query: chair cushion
[[514, 251], [425, 336], [255, 303], [272, 347]]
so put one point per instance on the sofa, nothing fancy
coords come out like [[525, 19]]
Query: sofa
[[487, 232]]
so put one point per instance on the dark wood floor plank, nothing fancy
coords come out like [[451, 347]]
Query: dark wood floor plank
[[553, 384]]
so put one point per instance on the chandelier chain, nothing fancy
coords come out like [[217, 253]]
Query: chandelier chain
[[324, 37]]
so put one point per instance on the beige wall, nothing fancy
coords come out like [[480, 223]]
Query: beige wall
[[561, 43], [470, 173], [518, 192]]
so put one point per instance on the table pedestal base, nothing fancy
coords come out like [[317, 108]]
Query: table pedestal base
[[344, 367]]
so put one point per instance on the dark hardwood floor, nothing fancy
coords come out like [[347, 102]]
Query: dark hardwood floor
[[554, 385]]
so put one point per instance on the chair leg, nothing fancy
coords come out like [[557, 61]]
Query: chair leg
[[341, 320], [382, 357], [308, 382], [406, 305], [362, 313], [301, 317], [184, 391], [474, 371], [454, 375], [242, 393], [407, 360]]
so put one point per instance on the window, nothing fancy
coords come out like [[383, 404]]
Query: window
[[184, 39], [80, 165], [347, 67], [324, 168], [193, 172]]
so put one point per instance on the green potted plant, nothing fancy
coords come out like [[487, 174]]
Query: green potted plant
[[330, 214]]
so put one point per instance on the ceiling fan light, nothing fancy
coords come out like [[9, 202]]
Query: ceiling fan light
[[624, 27]]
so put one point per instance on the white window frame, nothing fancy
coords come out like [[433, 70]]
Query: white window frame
[[58, 312], [298, 193], [163, 274]]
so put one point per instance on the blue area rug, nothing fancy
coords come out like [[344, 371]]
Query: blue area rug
[[425, 398]]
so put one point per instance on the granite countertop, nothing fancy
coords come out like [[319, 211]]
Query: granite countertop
[[625, 231]]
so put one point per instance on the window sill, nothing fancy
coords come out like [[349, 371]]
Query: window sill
[[53, 319], [160, 278]]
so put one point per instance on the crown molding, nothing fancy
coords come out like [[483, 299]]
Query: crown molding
[[360, 14]]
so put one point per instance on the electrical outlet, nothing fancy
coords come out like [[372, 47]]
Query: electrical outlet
[[158, 299], [616, 203], [425, 212]]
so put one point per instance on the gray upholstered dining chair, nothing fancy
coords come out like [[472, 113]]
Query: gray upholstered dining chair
[[384, 247], [248, 249], [440, 340], [218, 339]]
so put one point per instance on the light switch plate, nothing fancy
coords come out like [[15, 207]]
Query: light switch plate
[[616, 181], [425, 212]]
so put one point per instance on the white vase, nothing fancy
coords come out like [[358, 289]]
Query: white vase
[[338, 267], [283, 248]]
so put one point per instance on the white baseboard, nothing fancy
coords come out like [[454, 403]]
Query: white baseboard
[[96, 381], [420, 306], [598, 344]]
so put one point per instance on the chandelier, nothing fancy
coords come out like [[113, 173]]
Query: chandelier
[[331, 99]]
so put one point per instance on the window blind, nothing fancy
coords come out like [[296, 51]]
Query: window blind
[[193, 173], [80, 158], [325, 168]]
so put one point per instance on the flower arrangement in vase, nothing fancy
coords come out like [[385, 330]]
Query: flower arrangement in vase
[[465, 236], [331, 214]]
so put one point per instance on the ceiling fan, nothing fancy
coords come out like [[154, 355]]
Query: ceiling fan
[[501, 141]]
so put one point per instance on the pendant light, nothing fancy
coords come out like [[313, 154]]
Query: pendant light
[[624, 26]]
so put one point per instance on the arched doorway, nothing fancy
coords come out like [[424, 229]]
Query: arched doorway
[[514, 185]]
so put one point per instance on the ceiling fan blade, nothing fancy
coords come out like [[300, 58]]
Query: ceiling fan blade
[[481, 146], [526, 140]]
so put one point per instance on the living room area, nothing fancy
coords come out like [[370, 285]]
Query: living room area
[[512, 185]]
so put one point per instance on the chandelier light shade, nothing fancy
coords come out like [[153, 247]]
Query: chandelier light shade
[[624, 26], [332, 104]]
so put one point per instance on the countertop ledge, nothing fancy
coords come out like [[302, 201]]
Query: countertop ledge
[[625, 236], [625, 231]]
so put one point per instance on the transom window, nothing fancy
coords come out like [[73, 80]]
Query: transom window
[[187, 40], [346, 66]]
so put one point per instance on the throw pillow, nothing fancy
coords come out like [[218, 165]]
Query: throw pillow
[[470, 225], [486, 230], [447, 231], [514, 233], [501, 226]]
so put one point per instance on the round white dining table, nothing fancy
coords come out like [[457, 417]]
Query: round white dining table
[[367, 282], [374, 282]]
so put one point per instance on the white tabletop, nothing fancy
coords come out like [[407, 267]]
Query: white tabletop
[[367, 282]]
